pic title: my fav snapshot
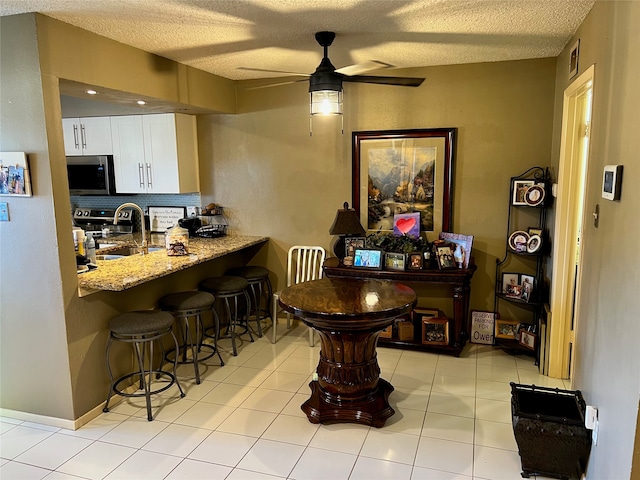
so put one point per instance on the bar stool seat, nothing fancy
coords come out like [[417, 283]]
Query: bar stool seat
[[224, 289], [183, 306], [141, 329], [261, 291]]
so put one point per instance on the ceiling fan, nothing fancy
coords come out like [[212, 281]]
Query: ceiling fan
[[327, 78]]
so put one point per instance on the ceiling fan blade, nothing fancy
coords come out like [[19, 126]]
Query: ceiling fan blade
[[276, 84], [274, 71], [401, 81], [359, 68]]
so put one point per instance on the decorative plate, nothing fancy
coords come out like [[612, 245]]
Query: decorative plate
[[518, 241], [534, 195], [534, 243]]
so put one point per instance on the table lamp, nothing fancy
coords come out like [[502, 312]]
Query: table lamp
[[346, 224]]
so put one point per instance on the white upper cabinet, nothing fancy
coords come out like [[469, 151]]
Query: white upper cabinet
[[155, 153], [87, 136]]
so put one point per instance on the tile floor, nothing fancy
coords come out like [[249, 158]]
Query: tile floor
[[244, 422]]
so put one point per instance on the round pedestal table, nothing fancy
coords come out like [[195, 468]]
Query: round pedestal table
[[348, 314]]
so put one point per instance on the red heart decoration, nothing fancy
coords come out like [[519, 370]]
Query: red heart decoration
[[405, 224]]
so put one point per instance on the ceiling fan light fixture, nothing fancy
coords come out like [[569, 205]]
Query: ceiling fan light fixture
[[326, 102]]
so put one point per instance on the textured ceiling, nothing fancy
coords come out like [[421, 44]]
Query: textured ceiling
[[219, 36]]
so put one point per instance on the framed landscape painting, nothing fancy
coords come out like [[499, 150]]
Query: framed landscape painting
[[401, 172]]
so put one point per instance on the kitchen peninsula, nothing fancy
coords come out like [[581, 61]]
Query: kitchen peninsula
[[127, 272]]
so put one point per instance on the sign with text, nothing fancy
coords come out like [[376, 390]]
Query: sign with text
[[482, 327]]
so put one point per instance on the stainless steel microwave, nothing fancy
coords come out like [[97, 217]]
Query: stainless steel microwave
[[91, 175]]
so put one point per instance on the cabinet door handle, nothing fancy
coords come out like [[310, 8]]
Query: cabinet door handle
[[75, 137], [141, 175], [83, 136], [149, 179]]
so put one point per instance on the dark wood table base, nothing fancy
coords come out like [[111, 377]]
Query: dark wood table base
[[349, 387], [372, 409]]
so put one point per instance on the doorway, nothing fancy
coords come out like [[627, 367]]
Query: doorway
[[569, 222]]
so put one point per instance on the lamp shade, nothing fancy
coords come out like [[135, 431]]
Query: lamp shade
[[326, 102], [346, 222]]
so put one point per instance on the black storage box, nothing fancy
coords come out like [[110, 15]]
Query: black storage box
[[548, 424]]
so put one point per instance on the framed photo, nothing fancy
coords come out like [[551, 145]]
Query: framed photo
[[574, 56], [444, 255], [161, 218], [509, 281], [462, 251], [407, 171], [351, 243], [527, 339], [15, 180], [534, 243], [435, 331], [507, 329], [534, 195], [368, 258], [534, 231], [527, 283], [519, 191], [415, 261], [518, 241], [394, 261]]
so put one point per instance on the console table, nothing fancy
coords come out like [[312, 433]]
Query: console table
[[348, 315], [459, 281]]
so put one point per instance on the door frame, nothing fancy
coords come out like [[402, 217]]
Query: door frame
[[565, 276]]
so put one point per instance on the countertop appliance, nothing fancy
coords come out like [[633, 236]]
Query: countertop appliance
[[91, 175], [95, 219]]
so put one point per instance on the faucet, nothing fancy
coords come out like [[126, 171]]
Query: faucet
[[145, 248]]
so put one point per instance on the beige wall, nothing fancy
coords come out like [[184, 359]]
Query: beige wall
[[276, 180], [607, 366]]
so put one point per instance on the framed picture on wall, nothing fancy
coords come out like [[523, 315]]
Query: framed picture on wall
[[418, 166]]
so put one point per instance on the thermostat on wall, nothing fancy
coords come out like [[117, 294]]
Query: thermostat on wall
[[611, 182]]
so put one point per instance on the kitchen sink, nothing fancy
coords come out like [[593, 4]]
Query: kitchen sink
[[125, 252]]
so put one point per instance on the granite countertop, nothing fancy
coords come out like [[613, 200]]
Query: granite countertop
[[127, 272]]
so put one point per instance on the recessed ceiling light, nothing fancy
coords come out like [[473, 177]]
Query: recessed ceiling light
[[141, 102], [92, 92]]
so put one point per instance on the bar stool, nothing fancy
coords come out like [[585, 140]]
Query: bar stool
[[261, 290], [141, 329], [226, 288], [183, 306]]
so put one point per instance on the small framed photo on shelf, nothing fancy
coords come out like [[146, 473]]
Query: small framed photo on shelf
[[526, 282], [444, 255], [534, 195], [519, 191], [351, 243], [509, 280], [534, 243], [435, 331], [461, 246], [369, 258], [394, 261], [507, 329], [415, 261], [527, 339], [518, 241]]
